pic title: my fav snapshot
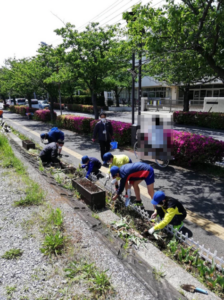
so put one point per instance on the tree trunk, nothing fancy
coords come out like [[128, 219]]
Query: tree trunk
[[3, 98], [29, 101], [186, 98], [52, 108], [94, 97], [117, 98]]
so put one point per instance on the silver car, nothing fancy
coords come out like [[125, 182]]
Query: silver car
[[43, 104]]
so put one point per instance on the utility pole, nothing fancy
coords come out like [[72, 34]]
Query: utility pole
[[133, 88]]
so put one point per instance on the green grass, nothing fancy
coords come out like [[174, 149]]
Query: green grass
[[12, 254], [52, 228], [99, 282], [8, 158], [34, 196]]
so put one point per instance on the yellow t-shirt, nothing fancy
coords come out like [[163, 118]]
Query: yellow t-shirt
[[119, 160]]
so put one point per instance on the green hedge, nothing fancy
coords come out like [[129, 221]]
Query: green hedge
[[202, 119], [83, 99]]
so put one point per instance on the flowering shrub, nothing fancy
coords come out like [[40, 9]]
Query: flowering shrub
[[12, 108], [43, 115], [74, 123], [192, 148], [122, 131], [203, 119], [21, 109]]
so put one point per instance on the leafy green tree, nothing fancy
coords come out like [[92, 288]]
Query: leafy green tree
[[92, 55], [179, 27]]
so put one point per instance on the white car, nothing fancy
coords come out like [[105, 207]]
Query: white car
[[34, 103], [43, 104], [20, 101]]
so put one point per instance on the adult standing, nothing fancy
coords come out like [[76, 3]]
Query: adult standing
[[104, 131]]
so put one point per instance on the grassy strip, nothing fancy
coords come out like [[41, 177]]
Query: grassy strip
[[34, 196], [8, 159]]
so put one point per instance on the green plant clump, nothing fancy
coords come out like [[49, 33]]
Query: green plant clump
[[34, 196], [12, 254]]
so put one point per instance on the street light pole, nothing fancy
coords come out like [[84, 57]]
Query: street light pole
[[140, 83], [133, 88]]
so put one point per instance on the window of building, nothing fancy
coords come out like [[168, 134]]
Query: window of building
[[221, 94], [216, 93], [209, 93]]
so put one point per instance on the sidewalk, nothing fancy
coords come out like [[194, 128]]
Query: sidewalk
[[197, 192]]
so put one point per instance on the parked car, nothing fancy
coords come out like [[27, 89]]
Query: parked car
[[43, 104], [34, 103], [9, 101], [20, 101]]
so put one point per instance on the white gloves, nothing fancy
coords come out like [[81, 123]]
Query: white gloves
[[114, 181], [151, 230], [108, 176]]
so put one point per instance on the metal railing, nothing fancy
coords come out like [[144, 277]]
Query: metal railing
[[170, 105]]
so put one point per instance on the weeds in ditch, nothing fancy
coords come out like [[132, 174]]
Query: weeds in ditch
[[34, 196], [159, 274], [77, 194], [96, 216], [41, 168], [12, 254]]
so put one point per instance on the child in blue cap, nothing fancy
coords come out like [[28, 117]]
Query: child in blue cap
[[91, 164], [169, 209]]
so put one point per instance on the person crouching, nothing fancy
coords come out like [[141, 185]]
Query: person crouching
[[170, 210], [50, 153], [91, 164]]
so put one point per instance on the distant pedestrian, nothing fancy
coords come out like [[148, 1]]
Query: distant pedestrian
[[50, 152], [1, 114], [104, 131], [91, 164]]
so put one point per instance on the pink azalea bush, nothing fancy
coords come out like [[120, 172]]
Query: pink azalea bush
[[74, 123], [122, 131], [190, 149], [203, 119], [43, 115]]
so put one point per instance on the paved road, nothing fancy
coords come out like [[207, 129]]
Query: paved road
[[198, 193]]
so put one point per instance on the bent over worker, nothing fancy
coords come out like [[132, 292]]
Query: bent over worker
[[91, 164], [170, 210], [116, 160], [51, 151], [53, 135], [134, 173]]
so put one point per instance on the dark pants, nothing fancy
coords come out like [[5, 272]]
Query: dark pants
[[104, 147], [177, 219], [48, 159], [95, 170]]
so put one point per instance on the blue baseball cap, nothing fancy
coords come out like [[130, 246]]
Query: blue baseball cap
[[85, 159], [158, 197], [107, 156], [114, 170]]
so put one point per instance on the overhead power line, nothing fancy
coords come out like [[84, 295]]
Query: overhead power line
[[102, 13]]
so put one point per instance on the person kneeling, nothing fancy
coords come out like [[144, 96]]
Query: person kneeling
[[170, 210], [50, 152], [91, 164]]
